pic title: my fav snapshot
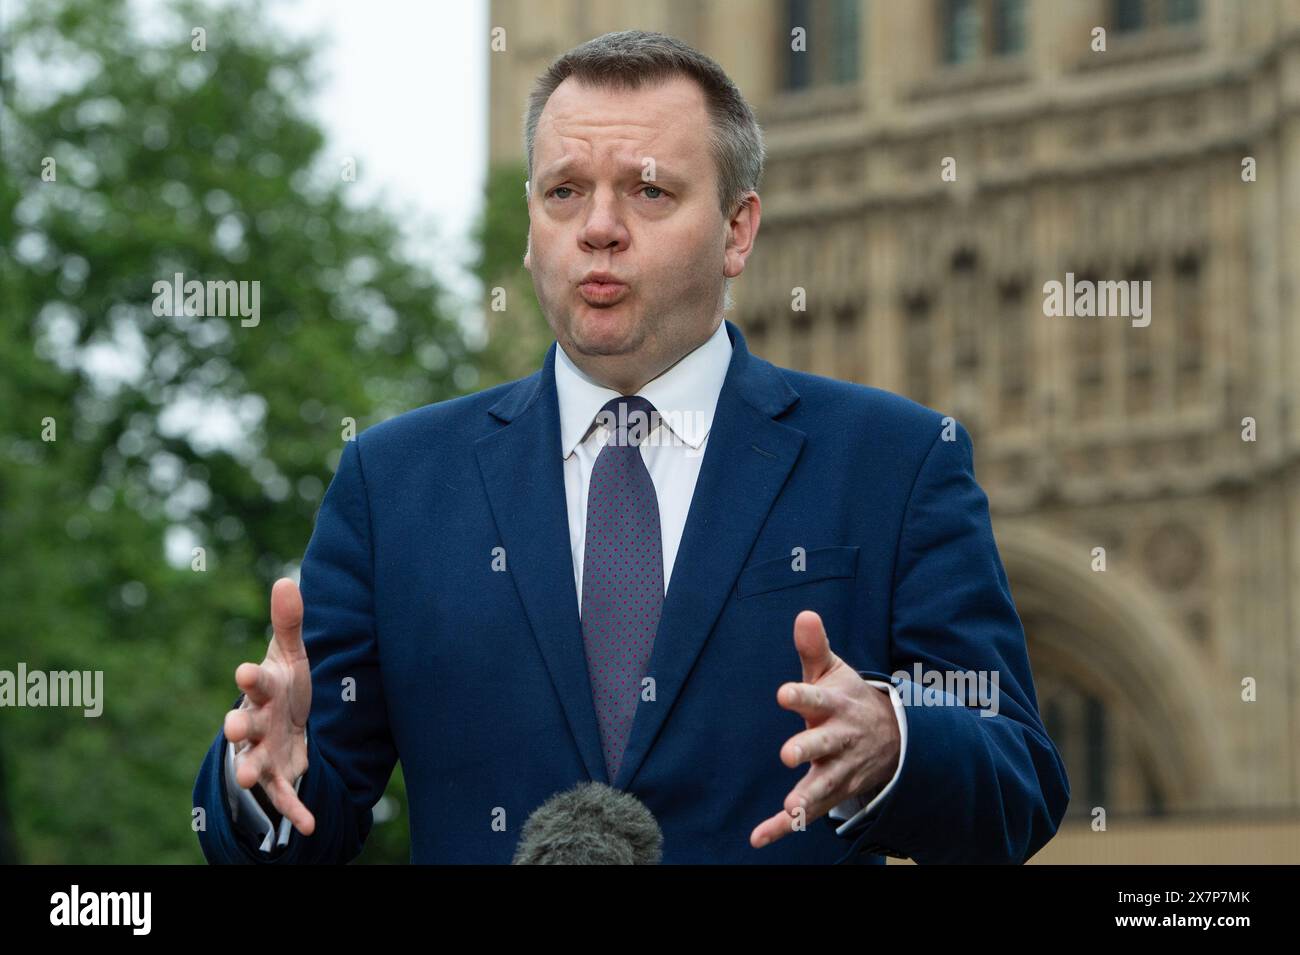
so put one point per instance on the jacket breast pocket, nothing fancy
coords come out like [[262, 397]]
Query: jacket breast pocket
[[820, 563]]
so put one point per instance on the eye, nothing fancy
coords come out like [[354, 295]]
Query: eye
[[656, 189], [557, 189]]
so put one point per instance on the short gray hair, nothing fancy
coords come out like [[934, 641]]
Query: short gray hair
[[632, 58]]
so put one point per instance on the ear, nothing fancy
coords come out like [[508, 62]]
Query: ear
[[742, 231]]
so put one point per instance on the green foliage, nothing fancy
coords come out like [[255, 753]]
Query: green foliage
[[172, 160], [519, 334]]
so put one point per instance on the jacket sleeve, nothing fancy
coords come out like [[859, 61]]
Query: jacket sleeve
[[350, 750], [982, 782]]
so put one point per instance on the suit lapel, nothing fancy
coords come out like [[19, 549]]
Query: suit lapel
[[746, 462], [523, 474]]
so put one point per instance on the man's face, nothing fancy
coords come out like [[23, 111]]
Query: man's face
[[624, 183]]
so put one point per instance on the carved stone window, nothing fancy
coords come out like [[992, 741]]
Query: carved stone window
[[965, 310], [1189, 324], [918, 347], [1088, 346], [1131, 16], [1013, 354], [971, 31], [831, 31]]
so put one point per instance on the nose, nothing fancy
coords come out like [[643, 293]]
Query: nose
[[603, 228]]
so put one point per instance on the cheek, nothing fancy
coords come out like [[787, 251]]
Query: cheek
[[545, 259], [542, 237], [701, 241], [689, 261]]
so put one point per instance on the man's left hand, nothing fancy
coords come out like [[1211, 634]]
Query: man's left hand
[[851, 735]]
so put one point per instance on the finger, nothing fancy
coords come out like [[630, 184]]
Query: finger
[[286, 619], [813, 646], [776, 827], [821, 742], [249, 766], [291, 807], [256, 682], [818, 792], [814, 703], [243, 724]]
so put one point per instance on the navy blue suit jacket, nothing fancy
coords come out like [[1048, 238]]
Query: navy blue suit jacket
[[476, 679]]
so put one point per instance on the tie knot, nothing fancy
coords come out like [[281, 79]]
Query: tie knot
[[630, 418]]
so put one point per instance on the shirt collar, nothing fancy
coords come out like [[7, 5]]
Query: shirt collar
[[685, 395]]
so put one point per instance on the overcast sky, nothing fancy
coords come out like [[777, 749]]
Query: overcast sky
[[406, 96]]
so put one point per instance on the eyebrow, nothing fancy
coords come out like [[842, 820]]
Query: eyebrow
[[562, 166]]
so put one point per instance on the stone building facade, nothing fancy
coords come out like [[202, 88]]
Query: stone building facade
[[931, 165]]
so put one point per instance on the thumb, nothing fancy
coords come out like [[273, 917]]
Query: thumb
[[813, 646], [286, 619]]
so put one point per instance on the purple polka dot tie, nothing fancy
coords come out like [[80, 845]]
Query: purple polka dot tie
[[622, 573]]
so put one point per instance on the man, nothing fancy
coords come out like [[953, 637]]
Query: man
[[659, 562]]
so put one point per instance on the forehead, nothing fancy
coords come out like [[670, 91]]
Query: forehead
[[580, 123]]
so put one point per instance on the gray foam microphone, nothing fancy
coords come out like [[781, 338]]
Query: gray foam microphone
[[591, 824]]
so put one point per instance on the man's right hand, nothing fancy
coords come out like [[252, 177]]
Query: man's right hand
[[273, 715]]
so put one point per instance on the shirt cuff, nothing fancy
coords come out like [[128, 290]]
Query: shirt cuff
[[854, 808], [255, 819]]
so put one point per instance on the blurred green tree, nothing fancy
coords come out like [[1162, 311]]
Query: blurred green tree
[[127, 155], [518, 335]]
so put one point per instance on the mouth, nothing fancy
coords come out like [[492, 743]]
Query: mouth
[[602, 294]]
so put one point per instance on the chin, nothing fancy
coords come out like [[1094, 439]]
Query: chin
[[603, 331]]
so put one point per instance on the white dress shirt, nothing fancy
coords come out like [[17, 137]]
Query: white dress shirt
[[685, 396]]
